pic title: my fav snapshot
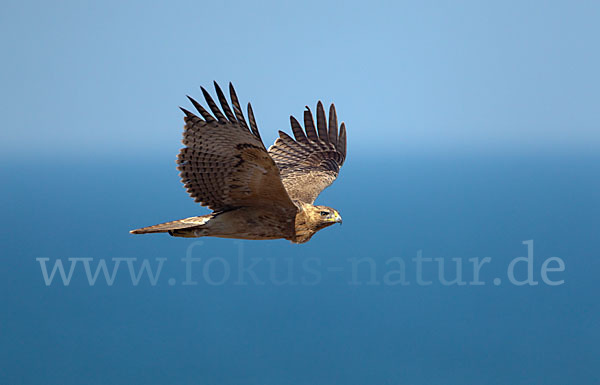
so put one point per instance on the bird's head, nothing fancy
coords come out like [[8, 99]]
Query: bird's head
[[323, 216], [311, 219]]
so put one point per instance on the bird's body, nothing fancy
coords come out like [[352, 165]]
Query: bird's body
[[256, 193]]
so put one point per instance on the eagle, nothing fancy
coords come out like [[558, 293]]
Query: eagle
[[254, 192]]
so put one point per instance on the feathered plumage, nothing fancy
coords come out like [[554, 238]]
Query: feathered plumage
[[256, 193]]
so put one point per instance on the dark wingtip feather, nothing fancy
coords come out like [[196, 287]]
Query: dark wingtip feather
[[284, 135], [342, 140], [237, 109], [224, 103], [297, 130], [186, 112], [253, 125], [322, 123], [232, 92], [207, 116], [213, 106], [309, 125], [333, 125], [205, 93]]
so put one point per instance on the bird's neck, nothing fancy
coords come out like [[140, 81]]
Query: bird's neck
[[305, 226]]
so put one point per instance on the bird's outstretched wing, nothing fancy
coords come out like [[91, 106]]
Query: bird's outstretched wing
[[311, 162], [224, 164]]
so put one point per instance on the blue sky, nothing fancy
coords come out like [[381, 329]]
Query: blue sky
[[106, 78]]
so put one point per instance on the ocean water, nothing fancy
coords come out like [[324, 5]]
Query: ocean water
[[352, 306]]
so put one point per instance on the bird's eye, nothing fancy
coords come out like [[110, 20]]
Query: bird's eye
[[324, 213]]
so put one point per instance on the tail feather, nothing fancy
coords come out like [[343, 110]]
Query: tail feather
[[173, 225]]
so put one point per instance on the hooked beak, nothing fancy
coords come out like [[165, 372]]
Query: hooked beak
[[338, 218]]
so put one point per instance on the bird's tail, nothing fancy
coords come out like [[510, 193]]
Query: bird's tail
[[169, 227]]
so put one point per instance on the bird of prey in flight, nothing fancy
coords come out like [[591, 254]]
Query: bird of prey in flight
[[256, 193]]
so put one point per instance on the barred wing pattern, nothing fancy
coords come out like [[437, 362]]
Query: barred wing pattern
[[224, 164], [312, 161]]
